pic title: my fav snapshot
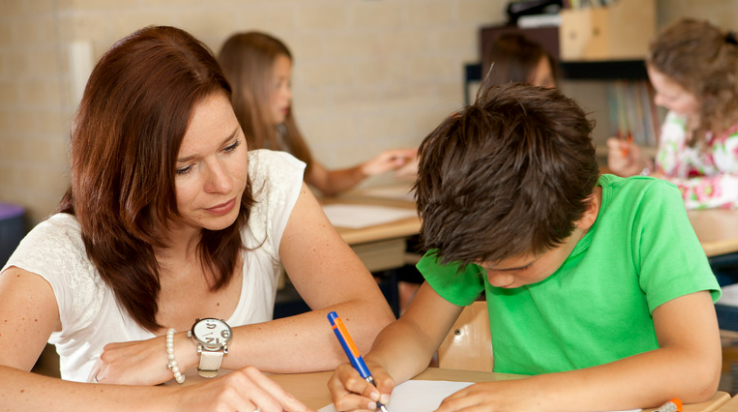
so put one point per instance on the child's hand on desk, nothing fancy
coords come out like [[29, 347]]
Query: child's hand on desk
[[513, 395], [388, 160], [624, 158], [352, 393]]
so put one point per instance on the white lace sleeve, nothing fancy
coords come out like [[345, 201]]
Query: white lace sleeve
[[54, 251], [276, 178]]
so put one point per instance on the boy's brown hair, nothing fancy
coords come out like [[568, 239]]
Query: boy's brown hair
[[506, 176]]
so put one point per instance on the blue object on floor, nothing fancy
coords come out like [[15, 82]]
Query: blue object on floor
[[12, 229]]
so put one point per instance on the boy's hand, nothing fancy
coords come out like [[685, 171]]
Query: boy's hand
[[512, 395], [352, 393]]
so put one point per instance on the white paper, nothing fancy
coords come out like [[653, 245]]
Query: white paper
[[358, 216], [421, 396], [417, 396]]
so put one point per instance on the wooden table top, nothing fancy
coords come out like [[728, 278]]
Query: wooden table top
[[717, 230], [312, 390]]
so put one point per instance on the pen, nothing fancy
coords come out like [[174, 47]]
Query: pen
[[674, 405], [624, 150], [352, 352]]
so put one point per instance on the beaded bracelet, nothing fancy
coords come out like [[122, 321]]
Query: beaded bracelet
[[172, 365]]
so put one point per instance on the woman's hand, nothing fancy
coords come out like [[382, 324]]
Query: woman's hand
[[388, 160], [141, 362], [624, 158], [243, 390], [352, 393]]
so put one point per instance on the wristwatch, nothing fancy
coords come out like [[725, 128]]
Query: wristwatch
[[211, 336]]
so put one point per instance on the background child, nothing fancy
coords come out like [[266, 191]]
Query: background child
[[693, 67], [584, 291], [517, 58], [259, 68]]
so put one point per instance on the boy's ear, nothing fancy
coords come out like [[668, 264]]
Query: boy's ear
[[593, 209]]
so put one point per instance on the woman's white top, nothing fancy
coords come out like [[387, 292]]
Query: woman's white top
[[90, 316]]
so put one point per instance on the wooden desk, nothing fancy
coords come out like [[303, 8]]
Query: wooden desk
[[380, 247], [311, 388], [717, 230], [398, 229], [730, 406]]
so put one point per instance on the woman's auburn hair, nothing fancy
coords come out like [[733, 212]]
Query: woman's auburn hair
[[700, 58], [125, 141], [248, 60]]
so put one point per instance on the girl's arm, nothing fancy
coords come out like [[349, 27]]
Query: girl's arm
[[332, 182], [28, 315]]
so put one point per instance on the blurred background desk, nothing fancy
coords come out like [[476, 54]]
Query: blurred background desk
[[717, 230], [381, 247]]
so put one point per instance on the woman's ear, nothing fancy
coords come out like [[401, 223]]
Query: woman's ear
[[593, 209]]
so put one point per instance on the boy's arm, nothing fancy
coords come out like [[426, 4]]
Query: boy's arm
[[686, 365], [402, 350], [405, 348]]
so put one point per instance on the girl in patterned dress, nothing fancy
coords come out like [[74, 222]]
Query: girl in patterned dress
[[693, 66]]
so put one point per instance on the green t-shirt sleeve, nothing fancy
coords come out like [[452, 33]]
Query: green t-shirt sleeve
[[460, 287], [671, 259]]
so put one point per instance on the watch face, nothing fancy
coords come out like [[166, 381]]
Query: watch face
[[211, 332]]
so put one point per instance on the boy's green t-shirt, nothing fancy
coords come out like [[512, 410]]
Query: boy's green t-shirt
[[596, 308]]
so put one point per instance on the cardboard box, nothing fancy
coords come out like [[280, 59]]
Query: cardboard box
[[621, 31]]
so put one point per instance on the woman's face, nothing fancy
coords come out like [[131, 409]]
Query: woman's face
[[280, 94], [671, 95], [212, 166], [543, 74]]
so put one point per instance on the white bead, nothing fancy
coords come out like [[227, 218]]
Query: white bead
[[172, 365]]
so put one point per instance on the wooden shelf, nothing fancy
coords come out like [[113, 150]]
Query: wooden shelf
[[604, 70]]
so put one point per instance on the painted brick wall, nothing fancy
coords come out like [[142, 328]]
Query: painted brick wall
[[369, 74]]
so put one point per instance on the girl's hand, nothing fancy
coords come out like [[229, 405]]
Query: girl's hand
[[409, 171], [141, 362], [388, 160], [352, 393], [244, 390], [624, 158]]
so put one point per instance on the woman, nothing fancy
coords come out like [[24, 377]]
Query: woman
[[169, 220], [259, 66]]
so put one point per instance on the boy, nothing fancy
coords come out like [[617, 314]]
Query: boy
[[596, 285]]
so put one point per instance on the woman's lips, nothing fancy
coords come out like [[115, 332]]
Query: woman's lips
[[223, 208]]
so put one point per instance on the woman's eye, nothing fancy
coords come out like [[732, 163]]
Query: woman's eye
[[233, 146], [183, 171]]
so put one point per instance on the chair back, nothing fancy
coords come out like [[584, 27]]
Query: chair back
[[469, 343]]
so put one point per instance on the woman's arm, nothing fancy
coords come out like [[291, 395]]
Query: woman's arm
[[332, 182], [329, 277], [28, 315]]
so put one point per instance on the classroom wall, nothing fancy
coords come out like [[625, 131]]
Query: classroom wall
[[369, 74]]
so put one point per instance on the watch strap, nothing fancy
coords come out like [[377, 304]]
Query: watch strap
[[209, 363]]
